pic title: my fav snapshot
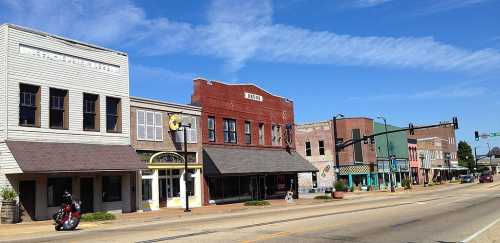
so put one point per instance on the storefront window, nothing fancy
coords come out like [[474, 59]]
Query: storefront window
[[111, 188], [56, 188], [147, 189]]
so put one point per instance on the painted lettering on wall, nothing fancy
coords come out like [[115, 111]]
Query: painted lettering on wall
[[68, 59], [255, 97]]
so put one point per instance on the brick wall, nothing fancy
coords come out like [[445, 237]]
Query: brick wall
[[228, 101], [344, 130]]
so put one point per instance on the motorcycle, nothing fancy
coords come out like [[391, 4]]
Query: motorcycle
[[68, 216]]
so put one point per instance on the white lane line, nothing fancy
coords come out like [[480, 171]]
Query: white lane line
[[480, 231]]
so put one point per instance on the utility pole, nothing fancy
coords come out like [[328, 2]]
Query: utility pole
[[337, 157], [388, 153]]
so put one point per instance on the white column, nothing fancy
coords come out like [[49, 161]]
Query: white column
[[126, 195], [182, 189], [155, 190]]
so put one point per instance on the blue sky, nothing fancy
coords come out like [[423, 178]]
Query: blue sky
[[411, 61]]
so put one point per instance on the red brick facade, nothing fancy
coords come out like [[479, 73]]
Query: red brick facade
[[222, 101], [345, 128]]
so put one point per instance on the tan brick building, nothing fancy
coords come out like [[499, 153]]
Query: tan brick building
[[162, 150]]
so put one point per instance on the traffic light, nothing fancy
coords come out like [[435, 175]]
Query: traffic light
[[476, 135], [412, 129], [455, 122]]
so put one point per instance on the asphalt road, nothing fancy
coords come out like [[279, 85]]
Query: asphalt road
[[470, 213]]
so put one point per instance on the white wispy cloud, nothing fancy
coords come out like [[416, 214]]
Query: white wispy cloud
[[159, 74], [369, 3], [447, 5], [241, 32], [456, 91]]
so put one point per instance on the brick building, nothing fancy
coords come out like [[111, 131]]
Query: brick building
[[437, 147], [357, 162], [162, 151], [248, 146], [314, 142]]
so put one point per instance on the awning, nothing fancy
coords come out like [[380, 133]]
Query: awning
[[218, 160], [42, 157]]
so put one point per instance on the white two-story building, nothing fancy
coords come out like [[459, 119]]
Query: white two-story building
[[64, 124]]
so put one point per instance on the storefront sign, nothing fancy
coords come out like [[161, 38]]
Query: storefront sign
[[68, 59], [254, 97]]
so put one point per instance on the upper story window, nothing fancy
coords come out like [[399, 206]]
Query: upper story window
[[230, 131], [91, 121], [276, 130], [248, 132], [308, 148], [321, 145], [29, 105], [192, 132], [211, 129], [261, 133], [113, 115], [58, 109], [149, 125]]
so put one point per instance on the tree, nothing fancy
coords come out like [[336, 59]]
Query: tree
[[465, 157]]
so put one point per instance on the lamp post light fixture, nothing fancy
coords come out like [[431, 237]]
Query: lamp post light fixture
[[388, 153], [175, 124]]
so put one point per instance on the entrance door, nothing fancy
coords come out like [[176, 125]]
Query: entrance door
[[162, 185], [27, 195], [254, 182], [262, 187], [87, 195]]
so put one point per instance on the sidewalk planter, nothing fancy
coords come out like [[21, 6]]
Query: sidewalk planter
[[338, 195], [340, 188], [10, 209], [10, 212]]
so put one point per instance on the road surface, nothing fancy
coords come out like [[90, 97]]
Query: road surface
[[470, 213]]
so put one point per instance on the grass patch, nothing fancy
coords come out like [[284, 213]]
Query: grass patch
[[323, 197], [257, 203], [99, 216]]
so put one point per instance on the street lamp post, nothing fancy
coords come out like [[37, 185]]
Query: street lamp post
[[449, 166], [387, 146], [175, 124], [424, 170], [337, 157]]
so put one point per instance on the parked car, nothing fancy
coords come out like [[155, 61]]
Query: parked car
[[467, 179], [486, 177]]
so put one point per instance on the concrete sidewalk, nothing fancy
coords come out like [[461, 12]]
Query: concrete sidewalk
[[23, 230]]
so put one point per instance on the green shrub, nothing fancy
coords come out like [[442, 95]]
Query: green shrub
[[323, 197], [406, 184], [8, 194], [99, 216], [257, 203], [340, 186]]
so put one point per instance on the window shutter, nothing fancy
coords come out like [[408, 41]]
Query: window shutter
[[159, 126], [141, 129]]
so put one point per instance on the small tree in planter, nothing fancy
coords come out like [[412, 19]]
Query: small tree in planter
[[340, 188], [10, 211]]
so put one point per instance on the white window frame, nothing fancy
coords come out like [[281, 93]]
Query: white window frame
[[145, 125]]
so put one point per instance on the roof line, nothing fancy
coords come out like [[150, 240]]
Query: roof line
[[71, 41], [242, 84], [160, 102]]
